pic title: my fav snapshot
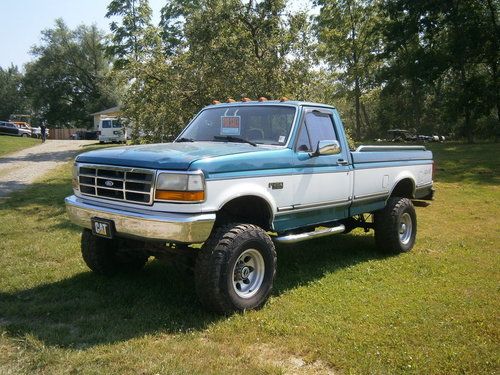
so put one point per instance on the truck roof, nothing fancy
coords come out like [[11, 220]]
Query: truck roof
[[288, 103]]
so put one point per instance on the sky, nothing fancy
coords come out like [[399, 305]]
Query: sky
[[23, 20]]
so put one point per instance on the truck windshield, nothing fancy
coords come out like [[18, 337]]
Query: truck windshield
[[267, 124]]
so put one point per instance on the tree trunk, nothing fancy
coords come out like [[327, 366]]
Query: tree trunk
[[415, 103], [365, 115], [468, 125], [494, 63], [468, 131], [357, 96]]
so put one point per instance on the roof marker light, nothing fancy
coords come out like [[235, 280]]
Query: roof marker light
[[231, 100], [262, 99], [283, 99], [245, 99], [215, 102]]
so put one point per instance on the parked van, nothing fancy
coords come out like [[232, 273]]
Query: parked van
[[111, 130]]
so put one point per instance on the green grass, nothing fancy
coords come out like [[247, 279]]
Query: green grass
[[337, 306], [10, 144]]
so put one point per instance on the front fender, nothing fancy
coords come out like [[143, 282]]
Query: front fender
[[222, 191]]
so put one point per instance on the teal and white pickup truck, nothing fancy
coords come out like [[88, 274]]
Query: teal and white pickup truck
[[239, 178]]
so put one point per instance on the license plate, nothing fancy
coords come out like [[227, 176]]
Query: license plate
[[102, 227]]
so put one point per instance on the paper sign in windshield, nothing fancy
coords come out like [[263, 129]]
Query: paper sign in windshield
[[230, 125]]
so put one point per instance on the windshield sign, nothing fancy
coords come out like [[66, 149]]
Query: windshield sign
[[267, 124], [230, 125]]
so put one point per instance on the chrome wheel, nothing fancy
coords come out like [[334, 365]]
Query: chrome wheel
[[405, 228], [248, 273]]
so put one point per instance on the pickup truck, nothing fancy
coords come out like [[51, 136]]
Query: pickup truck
[[239, 178]]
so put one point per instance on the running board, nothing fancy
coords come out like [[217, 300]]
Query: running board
[[293, 238]]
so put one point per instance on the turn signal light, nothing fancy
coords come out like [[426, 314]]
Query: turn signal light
[[186, 196]]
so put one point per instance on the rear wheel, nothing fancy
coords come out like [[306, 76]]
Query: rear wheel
[[235, 269], [396, 226], [107, 257]]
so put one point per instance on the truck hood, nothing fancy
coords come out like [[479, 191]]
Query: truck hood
[[174, 156]]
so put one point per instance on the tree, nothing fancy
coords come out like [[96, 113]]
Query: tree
[[440, 62], [215, 49], [69, 79], [12, 98], [348, 43], [130, 37]]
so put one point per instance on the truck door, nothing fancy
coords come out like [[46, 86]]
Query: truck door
[[323, 183]]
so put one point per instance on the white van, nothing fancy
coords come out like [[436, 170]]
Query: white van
[[111, 130]]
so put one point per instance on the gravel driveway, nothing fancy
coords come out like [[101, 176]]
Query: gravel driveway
[[21, 168]]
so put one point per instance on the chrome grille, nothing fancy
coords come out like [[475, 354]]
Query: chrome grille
[[132, 185]]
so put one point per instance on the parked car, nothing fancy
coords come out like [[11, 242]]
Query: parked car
[[84, 134], [22, 125], [9, 128], [239, 178]]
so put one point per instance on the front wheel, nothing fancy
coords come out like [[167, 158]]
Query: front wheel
[[235, 269], [396, 226]]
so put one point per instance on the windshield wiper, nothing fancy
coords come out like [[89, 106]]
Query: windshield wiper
[[182, 139], [231, 138]]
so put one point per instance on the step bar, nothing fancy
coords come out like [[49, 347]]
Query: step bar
[[294, 238]]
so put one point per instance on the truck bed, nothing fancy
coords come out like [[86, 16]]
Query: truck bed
[[379, 169]]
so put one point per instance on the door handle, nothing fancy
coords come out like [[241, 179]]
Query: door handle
[[342, 162]]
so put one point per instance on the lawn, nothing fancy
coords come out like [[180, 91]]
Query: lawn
[[10, 144], [338, 307]]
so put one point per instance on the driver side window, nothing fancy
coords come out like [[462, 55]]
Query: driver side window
[[317, 126]]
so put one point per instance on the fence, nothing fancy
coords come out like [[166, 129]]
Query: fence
[[64, 133]]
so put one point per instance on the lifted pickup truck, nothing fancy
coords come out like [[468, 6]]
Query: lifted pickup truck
[[240, 177]]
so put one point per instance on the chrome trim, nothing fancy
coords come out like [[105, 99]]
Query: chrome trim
[[294, 238], [116, 168], [197, 172], [184, 228], [284, 208], [358, 198], [328, 147], [311, 206], [369, 148]]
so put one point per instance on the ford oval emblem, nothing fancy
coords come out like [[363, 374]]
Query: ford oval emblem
[[109, 183]]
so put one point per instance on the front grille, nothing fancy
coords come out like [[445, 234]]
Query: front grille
[[118, 183]]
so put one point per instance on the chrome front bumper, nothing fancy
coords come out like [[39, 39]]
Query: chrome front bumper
[[151, 225]]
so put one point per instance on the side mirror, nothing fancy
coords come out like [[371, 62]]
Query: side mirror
[[327, 147]]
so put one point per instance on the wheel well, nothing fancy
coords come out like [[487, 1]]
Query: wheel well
[[404, 189], [247, 209]]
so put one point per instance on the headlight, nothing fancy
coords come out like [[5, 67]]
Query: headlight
[[180, 187]]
